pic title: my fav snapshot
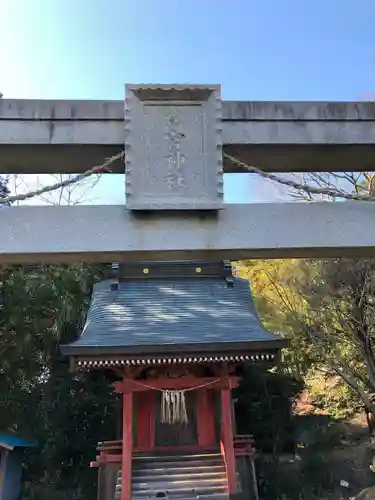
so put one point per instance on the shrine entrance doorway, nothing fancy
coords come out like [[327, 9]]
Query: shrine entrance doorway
[[179, 434]]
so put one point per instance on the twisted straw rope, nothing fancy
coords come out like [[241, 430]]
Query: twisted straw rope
[[334, 193], [68, 182]]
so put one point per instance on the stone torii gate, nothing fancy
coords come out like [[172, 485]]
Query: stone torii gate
[[173, 137]]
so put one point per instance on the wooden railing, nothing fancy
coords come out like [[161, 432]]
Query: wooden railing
[[243, 445], [110, 446], [111, 451]]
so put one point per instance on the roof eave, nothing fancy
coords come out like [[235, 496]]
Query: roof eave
[[219, 347]]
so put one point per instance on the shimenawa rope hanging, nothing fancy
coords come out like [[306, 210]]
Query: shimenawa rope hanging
[[173, 402]]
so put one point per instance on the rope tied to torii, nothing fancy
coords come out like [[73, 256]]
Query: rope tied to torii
[[308, 188], [98, 169], [173, 403]]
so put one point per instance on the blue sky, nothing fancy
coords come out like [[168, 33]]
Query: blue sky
[[256, 49]]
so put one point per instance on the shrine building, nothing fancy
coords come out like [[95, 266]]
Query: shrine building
[[176, 334]]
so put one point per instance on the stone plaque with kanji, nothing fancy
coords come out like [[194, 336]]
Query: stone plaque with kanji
[[173, 149]]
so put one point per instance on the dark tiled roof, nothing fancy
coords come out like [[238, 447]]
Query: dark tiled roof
[[170, 311]]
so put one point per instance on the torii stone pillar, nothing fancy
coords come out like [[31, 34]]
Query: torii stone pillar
[[173, 148]]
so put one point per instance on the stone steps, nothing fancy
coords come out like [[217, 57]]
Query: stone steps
[[178, 475], [171, 465], [181, 477]]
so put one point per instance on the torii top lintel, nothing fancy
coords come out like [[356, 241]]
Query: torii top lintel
[[173, 147]]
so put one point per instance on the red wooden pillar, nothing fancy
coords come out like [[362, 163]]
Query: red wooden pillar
[[202, 417], [227, 437], [127, 445], [143, 416], [152, 395], [206, 419]]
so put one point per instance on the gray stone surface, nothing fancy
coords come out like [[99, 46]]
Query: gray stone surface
[[169, 311], [112, 233], [39, 136], [58, 109], [298, 110], [173, 147], [366, 494]]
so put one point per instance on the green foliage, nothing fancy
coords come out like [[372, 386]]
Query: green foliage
[[264, 409], [319, 305], [4, 189], [317, 434], [40, 399], [326, 308], [309, 479], [338, 400], [277, 295]]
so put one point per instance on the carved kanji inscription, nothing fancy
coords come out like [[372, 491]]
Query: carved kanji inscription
[[173, 148]]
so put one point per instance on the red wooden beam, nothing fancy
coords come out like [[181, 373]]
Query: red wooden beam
[[144, 403], [211, 418], [104, 444], [186, 382], [244, 445], [127, 445], [152, 419], [106, 459], [110, 448], [206, 418], [227, 432], [202, 417]]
